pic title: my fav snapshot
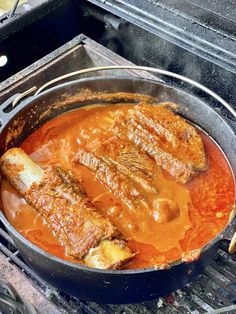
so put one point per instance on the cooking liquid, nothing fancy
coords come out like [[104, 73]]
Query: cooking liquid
[[204, 204]]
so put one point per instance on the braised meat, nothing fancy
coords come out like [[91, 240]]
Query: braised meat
[[148, 142], [69, 212], [56, 195], [175, 145], [129, 160], [121, 185]]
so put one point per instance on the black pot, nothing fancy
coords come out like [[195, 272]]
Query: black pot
[[108, 286]]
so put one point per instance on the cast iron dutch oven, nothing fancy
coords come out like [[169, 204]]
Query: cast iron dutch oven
[[119, 286]]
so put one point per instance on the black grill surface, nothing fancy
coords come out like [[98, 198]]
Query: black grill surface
[[206, 28]]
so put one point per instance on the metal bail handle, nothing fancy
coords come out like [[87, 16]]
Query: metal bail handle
[[232, 245], [140, 68]]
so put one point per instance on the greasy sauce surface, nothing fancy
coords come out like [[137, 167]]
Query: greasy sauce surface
[[204, 204]]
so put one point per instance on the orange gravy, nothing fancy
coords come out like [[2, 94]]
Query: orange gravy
[[204, 203]]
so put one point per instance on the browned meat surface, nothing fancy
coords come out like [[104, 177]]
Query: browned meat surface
[[173, 132], [68, 211], [129, 160], [121, 185], [131, 130], [54, 193], [169, 139]]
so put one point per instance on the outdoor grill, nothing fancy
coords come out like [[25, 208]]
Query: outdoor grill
[[202, 47]]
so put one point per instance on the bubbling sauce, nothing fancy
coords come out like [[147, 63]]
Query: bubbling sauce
[[183, 218]]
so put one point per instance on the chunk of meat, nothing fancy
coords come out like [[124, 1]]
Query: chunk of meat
[[68, 211], [169, 139], [56, 195], [176, 136], [120, 185], [131, 130], [129, 160]]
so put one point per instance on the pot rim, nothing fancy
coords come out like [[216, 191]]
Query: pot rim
[[78, 266]]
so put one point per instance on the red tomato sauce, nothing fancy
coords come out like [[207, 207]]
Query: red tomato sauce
[[204, 203]]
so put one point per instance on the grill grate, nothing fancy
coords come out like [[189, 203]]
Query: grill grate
[[215, 288]]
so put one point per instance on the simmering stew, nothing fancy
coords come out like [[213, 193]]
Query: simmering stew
[[165, 185]]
